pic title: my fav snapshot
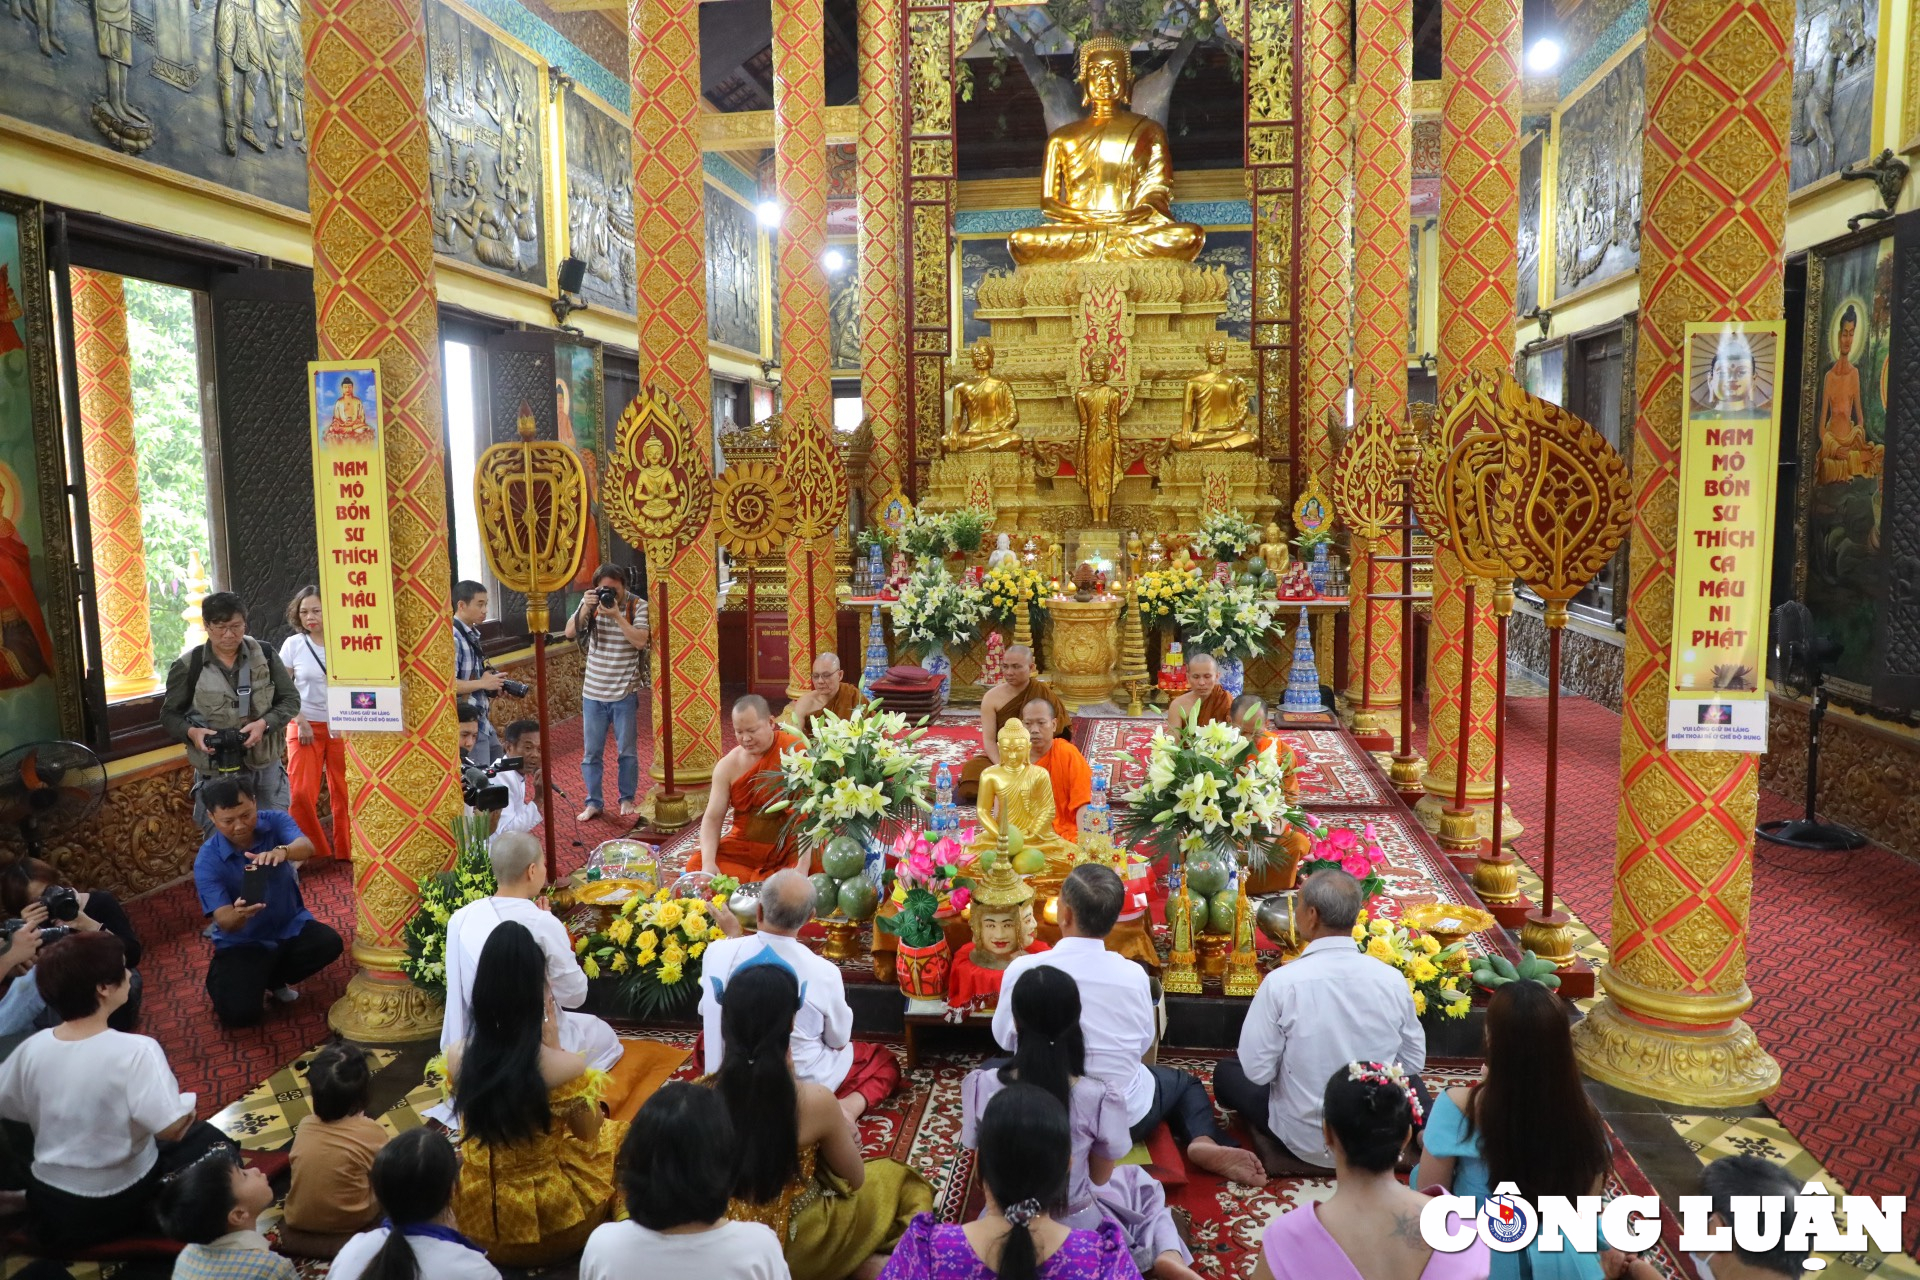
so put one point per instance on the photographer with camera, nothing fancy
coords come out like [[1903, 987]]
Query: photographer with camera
[[611, 624], [474, 681], [31, 883], [22, 1009], [226, 701], [264, 938]]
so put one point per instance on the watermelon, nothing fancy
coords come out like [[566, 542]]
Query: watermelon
[[843, 857], [1207, 876]]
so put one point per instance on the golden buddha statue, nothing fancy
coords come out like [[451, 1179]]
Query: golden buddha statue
[[655, 483], [1018, 794], [1273, 550], [1216, 414], [1106, 188], [1098, 457], [984, 410]]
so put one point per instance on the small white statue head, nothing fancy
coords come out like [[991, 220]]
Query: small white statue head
[[1001, 543]]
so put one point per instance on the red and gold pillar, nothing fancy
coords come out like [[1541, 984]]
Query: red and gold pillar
[[670, 254], [1719, 87], [1274, 173], [1479, 210], [806, 395], [103, 369], [882, 199], [1328, 249], [1383, 192], [374, 292]]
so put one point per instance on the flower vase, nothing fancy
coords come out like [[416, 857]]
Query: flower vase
[[1233, 675], [1319, 570], [936, 663], [922, 971]]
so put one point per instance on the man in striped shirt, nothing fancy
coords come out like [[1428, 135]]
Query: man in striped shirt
[[611, 624]]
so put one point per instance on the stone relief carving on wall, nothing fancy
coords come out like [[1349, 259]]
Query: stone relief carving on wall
[[733, 272], [1597, 218], [600, 202], [1833, 60]]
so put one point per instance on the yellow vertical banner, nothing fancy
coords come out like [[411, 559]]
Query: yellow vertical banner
[[1716, 696], [356, 562]]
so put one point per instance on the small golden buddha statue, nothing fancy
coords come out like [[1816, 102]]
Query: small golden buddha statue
[[1001, 914], [1106, 185], [1216, 414], [655, 483], [1097, 458], [1273, 551], [984, 410], [1017, 793]]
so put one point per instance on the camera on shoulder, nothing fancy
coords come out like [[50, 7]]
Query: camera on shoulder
[[478, 788]]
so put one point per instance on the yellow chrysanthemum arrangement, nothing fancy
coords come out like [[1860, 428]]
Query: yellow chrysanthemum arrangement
[[1011, 588], [654, 947], [1437, 977], [1162, 591]]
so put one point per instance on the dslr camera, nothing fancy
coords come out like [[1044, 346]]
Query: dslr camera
[[226, 748], [512, 688], [607, 596], [61, 902], [478, 788], [49, 933]]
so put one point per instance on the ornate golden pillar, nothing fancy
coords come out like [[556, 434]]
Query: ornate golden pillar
[[103, 369], [670, 254], [1274, 171], [806, 394], [1715, 177], [882, 192], [1383, 193], [374, 293], [1328, 248], [1479, 210]]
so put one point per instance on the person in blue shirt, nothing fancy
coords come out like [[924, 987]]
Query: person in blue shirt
[[265, 946]]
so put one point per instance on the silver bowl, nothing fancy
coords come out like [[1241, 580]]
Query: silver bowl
[[744, 902], [1277, 917]]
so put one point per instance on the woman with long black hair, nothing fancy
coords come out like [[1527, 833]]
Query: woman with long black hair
[[1052, 1055], [800, 1169], [413, 1178], [1026, 1149], [539, 1157]]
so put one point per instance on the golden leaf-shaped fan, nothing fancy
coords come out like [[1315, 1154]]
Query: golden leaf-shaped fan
[[1469, 481], [531, 496], [1365, 483], [753, 509], [1428, 504], [1564, 499], [659, 484], [813, 472]]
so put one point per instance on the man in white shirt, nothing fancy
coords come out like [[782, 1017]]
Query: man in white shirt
[[1331, 1005], [523, 806], [860, 1074], [1118, 1022], [520, 868]]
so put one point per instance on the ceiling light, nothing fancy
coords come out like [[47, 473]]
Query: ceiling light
[[1544, 56], [833, 260], [768, 214]]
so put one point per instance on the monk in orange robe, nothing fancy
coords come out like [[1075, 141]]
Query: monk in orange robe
[[1018, 686], [1072, 775], [754, 847], [830, 694], [1203, 688]]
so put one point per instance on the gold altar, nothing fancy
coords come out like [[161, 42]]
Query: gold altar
[[1085, 649]]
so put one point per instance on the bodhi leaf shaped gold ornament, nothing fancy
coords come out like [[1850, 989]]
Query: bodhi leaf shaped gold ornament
[[811, 467], [659, 487], [531, 496], [1564, 499], [1469, 481], [1428, 503], [753, 509], [1365, 478]]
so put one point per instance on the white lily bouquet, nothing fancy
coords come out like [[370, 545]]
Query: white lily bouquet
[[1210, 790], [855, 775], [1224, 535], [936, 612], [1226, 621]]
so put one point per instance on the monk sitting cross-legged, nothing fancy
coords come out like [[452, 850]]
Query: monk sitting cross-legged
[[747, 779], [1203, 689], [830, 693], [1072, 776], [1018, 686]]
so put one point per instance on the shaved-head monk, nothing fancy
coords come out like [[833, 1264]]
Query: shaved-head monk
[[1203, 690], [753, 847], [831, 692], [1072, 776], [1018, 686]]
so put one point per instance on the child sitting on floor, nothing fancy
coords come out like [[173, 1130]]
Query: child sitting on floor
[[214, 1204], [413, 1177], [333, 1149]]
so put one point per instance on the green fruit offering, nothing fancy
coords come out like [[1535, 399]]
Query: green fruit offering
[[1207, 876], [826, 893], [843, 857], [858, 899], [1197, 915], [1220, 910], [1030, 861]]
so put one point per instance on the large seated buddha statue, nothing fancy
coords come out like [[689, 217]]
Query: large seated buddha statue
[[1107, 186], [1017, 793]]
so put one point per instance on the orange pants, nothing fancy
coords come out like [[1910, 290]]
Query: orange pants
[[305, 762]]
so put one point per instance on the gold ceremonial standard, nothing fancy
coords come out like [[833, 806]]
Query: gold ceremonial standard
[[532, 499], [1106, 189]]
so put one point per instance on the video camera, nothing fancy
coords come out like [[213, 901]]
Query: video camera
[[478, 788], [49, 933]]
